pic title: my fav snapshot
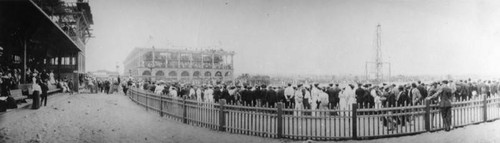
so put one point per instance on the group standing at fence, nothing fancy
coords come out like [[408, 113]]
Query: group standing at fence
[[362, 109], [316, 96]]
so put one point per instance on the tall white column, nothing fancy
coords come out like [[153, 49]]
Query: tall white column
[[179, 60], [213, 61], [232, 61]]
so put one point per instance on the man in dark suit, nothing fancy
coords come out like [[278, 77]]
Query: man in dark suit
[[467, 91], [332, 98], [225, 94], [217, 94], [252, 95], [360, 93], [44, 86], [271, 96], [263, 95], [422, 90], [445, 95]]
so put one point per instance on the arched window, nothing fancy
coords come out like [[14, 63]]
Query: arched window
[[208, 74], [218, 74], [160, 73], [228, 74], [146, 73], [172, 73], [196, 74], [185, 73]]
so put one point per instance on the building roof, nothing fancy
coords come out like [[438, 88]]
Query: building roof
[[203, 51]]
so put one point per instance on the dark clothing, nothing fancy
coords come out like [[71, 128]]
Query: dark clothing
[[403, 98], [333, 96], [446, 115], [45, 89], [272, 97], [36, 100], [250, 97], [245, 97], [422, 91], [391, 99], [217, 95], [369, 101], [5, 87], [226, 96], [445, 95], [107, 85], [281, 96], [125, 88], [263, 97], [360, 93], [70, 86]]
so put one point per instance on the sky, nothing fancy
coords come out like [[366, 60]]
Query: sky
[[419, 37]]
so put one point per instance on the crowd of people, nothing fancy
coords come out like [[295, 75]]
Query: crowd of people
[[102, 85], [332, 96], [38, 81], [315, 96]]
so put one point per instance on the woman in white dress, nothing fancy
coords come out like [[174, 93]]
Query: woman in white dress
[[209, 97], [52, 80], [346, 99], [351, 95], [198, 94], [298, 102]]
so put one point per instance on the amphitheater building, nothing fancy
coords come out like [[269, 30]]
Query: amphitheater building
[[180, 65]]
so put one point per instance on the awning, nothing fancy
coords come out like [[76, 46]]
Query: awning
[[23, 19]]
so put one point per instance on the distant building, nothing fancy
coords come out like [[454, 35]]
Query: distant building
[[104, 74], [200, 66]]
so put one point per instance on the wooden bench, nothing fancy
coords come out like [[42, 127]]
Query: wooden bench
[[20, 97]]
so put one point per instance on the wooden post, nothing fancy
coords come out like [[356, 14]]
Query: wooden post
[[427, 115], [24, 62], [354, 121], [161, 106], [184, 108], [146, 96], [280, 119], [485, 108], [222, 116]]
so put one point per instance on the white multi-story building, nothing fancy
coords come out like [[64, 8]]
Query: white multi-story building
[[180, 65]]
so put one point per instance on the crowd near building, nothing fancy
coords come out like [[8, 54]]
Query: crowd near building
[[194, 66]]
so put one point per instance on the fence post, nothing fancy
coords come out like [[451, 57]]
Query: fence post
[[354, 121], [427, 115], [146, 96], [222, 116], [280, 119], [184, 113], [161, 106], [485, 111]]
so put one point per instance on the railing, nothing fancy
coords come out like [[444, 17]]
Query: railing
[[354, 122]]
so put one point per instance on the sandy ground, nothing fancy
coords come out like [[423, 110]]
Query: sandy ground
[[115, 118]]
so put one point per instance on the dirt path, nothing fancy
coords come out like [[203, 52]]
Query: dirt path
[[114, 118], [102, 118]]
